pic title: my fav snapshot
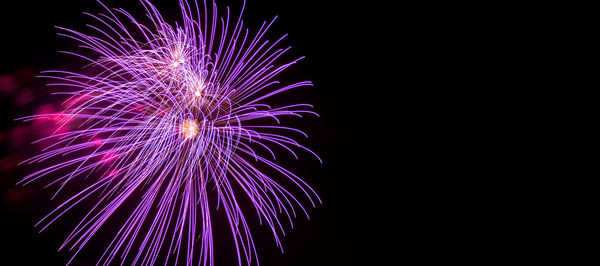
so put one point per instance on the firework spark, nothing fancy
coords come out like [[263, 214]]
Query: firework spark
[[174, 121]]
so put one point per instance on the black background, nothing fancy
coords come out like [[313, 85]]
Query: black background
[[339, 40]]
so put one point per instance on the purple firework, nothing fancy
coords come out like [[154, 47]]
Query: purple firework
[[169, 123]]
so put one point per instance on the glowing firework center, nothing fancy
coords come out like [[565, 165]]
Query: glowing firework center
[[189, 129]]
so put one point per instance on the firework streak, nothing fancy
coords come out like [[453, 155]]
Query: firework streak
[[172, 122]]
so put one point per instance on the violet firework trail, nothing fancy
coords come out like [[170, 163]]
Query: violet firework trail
[[172, 123]]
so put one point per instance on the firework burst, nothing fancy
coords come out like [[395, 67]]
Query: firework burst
[[162, 118]]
